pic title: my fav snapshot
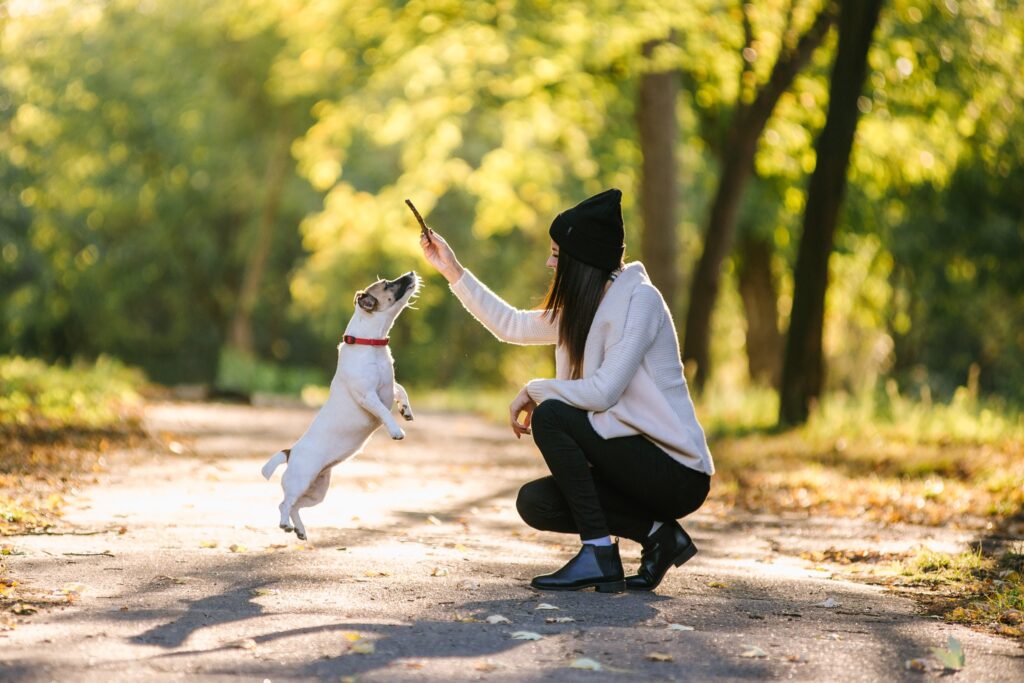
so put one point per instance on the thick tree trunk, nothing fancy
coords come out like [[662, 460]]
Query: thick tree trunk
[[241, 337], [737, 156], [760, 303], [656, 121], [803, 369]]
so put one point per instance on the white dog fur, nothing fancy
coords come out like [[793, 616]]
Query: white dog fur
[[361, 395]]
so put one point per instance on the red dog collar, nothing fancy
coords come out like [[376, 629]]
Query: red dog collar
[[369, 342]]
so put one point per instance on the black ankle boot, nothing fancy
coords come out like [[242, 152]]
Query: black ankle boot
[[594, 565], [667, 546]]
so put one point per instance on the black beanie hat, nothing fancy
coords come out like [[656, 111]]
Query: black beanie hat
[[591, 231]]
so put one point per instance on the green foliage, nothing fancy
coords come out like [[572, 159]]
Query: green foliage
[[137, 150], [84, 395]]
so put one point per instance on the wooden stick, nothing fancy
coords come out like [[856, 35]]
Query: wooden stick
[[424, 230]]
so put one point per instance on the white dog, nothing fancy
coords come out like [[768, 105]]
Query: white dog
[[362, 392]]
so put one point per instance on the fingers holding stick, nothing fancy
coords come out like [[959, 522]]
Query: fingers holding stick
[[424, 230]]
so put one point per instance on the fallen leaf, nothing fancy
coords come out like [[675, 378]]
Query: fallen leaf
[[754, 652], [237, 548], [265, 591], [952, 656], [497, 619], [468, 585], [659, 657], [461, 548], [374, 573], [559, 620], [545, 605], [243, 644], [208, 544], [919, 665], [363, 647], [467, 619], [434, 520], [351, 636], [439, 571], [22, 608], [796, 659], [717, 584], [486, 667], [679, 627], [586, 664], [526, 635], [827, 603]]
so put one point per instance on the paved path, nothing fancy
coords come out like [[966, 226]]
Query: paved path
[[416, 545]]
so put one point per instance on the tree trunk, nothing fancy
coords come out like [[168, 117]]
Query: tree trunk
[[738, 151], [760, 303], [656, 121], [803, 369], [241, 337]]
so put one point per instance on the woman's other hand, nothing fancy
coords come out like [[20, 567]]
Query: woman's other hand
[[522, 403], [440, 255]]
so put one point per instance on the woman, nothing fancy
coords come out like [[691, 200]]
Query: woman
[[616, 427]]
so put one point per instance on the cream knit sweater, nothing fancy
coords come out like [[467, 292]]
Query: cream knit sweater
[[632, 379]]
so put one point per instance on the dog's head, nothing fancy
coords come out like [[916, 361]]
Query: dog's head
[[388, 296]]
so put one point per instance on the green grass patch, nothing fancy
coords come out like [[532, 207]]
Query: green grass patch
[[973, 588]]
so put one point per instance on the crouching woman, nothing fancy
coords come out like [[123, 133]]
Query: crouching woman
[[616, 426]]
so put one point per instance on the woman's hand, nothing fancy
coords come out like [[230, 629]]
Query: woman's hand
[[440, 255], [522, 403]]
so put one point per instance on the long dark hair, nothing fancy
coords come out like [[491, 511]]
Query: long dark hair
[[573, 298]]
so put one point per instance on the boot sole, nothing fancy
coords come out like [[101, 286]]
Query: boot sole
[[603, 587], [682, 558]]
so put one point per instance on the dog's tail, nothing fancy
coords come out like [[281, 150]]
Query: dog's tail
[[276, 460]]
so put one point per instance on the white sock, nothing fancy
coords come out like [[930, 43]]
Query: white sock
[[654, 527], [604, 540]]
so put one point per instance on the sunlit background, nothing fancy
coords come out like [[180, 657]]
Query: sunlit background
[[198, 187]]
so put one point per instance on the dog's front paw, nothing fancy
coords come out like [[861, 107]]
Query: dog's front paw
[[407, 413], [397, 434]]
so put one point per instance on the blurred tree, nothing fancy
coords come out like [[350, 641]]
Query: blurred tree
[[659, 180], [754, 107], [803, 365]]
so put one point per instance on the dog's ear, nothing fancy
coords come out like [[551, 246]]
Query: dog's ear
[[365, 301]]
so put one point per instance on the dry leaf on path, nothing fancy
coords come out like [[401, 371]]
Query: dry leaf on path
[[173, 579], [363, 647], [952, 656], [237, 548], [586, 664], [497, 619], [439, 571], [679, 627], [559, 620], [526, 635], [434, 520], [717, 584], [208, 544], [545, 605], [243, 644], [919, 665], [659, 657], [827, 603], [754, 652]]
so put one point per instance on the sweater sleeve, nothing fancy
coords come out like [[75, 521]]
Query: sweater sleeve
[[601, 390], [505, 322]]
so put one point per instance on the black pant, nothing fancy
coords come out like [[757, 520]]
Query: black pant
[[601, 487]]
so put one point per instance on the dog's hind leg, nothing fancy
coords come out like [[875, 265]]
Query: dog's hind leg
[[313, 495], [295, 482], [402, 399]]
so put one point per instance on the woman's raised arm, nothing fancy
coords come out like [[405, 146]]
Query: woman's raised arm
[[507, 323]]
